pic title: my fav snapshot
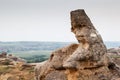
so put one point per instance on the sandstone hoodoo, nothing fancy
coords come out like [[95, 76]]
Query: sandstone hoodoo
[[86, 60]]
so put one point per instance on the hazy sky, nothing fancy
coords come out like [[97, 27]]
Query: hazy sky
[[49, 20]]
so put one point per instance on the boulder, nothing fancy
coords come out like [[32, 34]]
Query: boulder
[[86, 60], [15, 58], [3, 55], [114, 53]]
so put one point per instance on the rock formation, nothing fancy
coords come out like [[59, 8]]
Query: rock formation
[[15, 68], [91, 47], [86, 60], [3, 55], [114, 53]]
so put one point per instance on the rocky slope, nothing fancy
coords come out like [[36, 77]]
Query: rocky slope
[[87, 60], [114, 53], [14, 68]]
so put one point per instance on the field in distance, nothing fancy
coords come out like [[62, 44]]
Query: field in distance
[[31, 51], [37, 51], [33, 56]]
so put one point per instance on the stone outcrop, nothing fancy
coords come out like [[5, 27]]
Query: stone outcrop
[[10, 59], [114, 53], [86, 60], [15, 58], [15, 68], [3, 55]]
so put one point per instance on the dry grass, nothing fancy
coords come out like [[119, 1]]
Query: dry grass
[[4, 69]]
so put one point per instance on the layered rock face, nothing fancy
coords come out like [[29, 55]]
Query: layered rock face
[[86, 60]]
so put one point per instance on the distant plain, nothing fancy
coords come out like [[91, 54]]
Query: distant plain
[[38, 51]]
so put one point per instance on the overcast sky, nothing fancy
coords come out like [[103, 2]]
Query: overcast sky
[[49, 20]]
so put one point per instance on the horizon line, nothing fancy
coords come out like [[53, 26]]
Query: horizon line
[[51, 41]]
